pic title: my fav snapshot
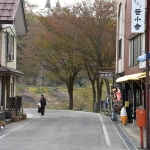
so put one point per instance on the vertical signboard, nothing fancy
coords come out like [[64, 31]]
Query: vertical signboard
[[116, 97], [138, 16], [116, 94]]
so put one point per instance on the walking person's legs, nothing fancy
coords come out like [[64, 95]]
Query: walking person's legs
[[42, 111]]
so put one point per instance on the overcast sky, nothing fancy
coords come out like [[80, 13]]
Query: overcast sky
[[41, 3]]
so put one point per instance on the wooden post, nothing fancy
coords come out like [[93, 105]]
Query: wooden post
[[147, 76], [141, 137]]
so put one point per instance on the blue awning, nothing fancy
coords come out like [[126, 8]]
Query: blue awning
[[143, 57]]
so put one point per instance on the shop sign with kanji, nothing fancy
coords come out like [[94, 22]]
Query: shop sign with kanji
[[138, 16], [105, 74]]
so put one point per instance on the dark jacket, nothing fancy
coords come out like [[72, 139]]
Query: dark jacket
[[43, 102]]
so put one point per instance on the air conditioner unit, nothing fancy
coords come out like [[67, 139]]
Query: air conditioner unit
[[10, 57]]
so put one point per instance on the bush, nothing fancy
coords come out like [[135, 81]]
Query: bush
[[39, 89]]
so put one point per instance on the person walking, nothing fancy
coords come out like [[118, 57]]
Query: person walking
[[43, 104]]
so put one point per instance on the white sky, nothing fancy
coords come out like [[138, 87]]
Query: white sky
[[41, 3]]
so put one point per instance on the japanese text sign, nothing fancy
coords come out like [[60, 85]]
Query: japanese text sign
[[105, 74], [138, 16]]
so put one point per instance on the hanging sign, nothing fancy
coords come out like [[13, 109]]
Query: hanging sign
[[138, 16], [105, 75]]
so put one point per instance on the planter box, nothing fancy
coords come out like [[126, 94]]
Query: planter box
[[16, 118], [24, 116], [20, 117]]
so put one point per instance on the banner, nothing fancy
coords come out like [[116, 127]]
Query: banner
[[116, 94], [138, 16]]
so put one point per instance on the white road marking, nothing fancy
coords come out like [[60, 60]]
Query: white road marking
[[13, 130], [105, 131]]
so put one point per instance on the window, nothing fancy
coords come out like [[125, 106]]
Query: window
[[135, 49], [138, 98], [120, 49], [12, 87], [9, 46], [6, 43], [120, 30]]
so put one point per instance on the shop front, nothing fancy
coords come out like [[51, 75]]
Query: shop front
[[133, 93]]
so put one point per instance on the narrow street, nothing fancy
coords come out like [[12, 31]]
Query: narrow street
[[61, 130]]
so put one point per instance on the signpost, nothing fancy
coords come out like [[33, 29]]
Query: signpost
[[147, 76], [105, 75]]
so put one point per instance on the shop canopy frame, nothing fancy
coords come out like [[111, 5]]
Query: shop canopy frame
[[136, 76], [133, 77]]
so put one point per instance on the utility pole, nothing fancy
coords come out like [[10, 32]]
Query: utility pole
[[147, 76]]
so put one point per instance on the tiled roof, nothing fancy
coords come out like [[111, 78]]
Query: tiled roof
[[12, 12], [8, 10], [7, 70]]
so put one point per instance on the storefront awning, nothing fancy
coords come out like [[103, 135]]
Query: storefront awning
[[10, 71], [136, 76]]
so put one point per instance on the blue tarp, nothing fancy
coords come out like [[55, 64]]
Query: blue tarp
[[143, 57]]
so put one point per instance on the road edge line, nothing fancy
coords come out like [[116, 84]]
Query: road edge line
[[104, 131], [12, 131]]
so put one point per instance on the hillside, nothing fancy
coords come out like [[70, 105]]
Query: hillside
[[56, 98]]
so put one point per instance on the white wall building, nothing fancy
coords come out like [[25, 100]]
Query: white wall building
[[12, 23]]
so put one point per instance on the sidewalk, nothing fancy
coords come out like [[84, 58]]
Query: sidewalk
[[132, 132]]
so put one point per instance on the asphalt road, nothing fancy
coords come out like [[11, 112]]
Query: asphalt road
[[61, 130]]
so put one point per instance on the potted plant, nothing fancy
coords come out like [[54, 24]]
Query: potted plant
[[3, 123], [20, 115]]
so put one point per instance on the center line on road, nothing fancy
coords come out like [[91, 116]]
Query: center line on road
[[105, 131]]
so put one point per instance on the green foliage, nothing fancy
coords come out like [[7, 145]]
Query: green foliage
[[70, 39], [20, 87], [57, 97], [83, 98], [39, 90]]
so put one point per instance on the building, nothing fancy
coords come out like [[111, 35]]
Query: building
[[129, 73], [12, 24]]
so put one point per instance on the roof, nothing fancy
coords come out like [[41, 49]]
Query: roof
[[12, 12], [7, 70]]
